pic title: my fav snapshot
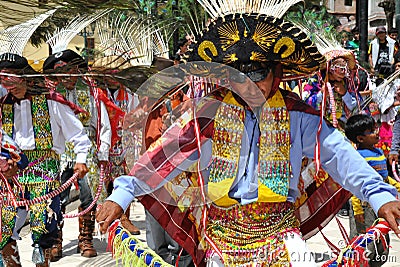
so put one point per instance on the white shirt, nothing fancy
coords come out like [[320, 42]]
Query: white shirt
[[65, 126], [105, 127], [132, 103]]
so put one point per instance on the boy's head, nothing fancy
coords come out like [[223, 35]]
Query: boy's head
[[393, 33], [361, 130]]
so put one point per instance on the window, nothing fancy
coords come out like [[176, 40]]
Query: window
[[348, 2]]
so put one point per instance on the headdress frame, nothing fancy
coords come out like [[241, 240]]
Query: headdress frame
[[242, 39]]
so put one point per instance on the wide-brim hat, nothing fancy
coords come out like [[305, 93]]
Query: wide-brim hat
[[16, 62], [70, 57], [346, 54], [253, 39]]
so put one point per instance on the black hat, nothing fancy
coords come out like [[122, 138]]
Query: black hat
[[15, 62], [71, 58], [253, 39]]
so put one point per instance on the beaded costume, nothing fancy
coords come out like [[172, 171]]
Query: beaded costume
[[9, 150], [238, 204], [42, 174], [42, 150], [81, 97]]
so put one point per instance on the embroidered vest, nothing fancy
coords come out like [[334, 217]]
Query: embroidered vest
[[80, 96], [40, 121], [273, 168]]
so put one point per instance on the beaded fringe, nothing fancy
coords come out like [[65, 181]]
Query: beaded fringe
[[253, 234], [132, 252]]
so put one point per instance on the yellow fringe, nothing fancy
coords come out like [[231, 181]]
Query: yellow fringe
[[128, 257]]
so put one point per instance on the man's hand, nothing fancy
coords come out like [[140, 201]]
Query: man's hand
[[391, 212], [107, 213], [12, 169], [103, 164], [81, 169]]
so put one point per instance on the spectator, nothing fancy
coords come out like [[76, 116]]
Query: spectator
[[393, 33], [381, 53], [395, 147], [362, 130], [356, 41]]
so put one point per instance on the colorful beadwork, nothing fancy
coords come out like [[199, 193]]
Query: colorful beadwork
[[41, 123], [39, 178], [42, 174], [38, 218], [8, 215], [228, 131], [80, 96], [274, 169], [253, 233], [8, 118]]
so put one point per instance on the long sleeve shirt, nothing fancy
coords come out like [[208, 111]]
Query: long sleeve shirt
[[338, 158], [105, 128], [65, 126], [104, 132], [126, 102]]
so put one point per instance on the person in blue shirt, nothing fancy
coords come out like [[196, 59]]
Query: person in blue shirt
[[362, 130], [251, 137]]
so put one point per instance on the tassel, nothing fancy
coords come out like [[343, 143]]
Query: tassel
[[37, 255]]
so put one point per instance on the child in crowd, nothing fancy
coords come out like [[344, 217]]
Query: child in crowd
[[395, 91], [362, 130]]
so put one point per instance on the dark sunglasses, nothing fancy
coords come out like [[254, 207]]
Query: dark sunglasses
[[254, 76]]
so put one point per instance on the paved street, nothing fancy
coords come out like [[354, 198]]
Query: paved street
[[72, 258]]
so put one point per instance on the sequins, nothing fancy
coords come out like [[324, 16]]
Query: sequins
[[274, 169], [41, 123]]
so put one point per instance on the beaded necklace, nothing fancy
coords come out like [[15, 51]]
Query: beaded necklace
[[80, 96], [253, 234], [274, 168]]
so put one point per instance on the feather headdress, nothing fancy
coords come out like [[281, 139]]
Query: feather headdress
[[273, 8], [160, 43], [14, 39], [323, 36], [248, 34], [129, 38], [61, 37]]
